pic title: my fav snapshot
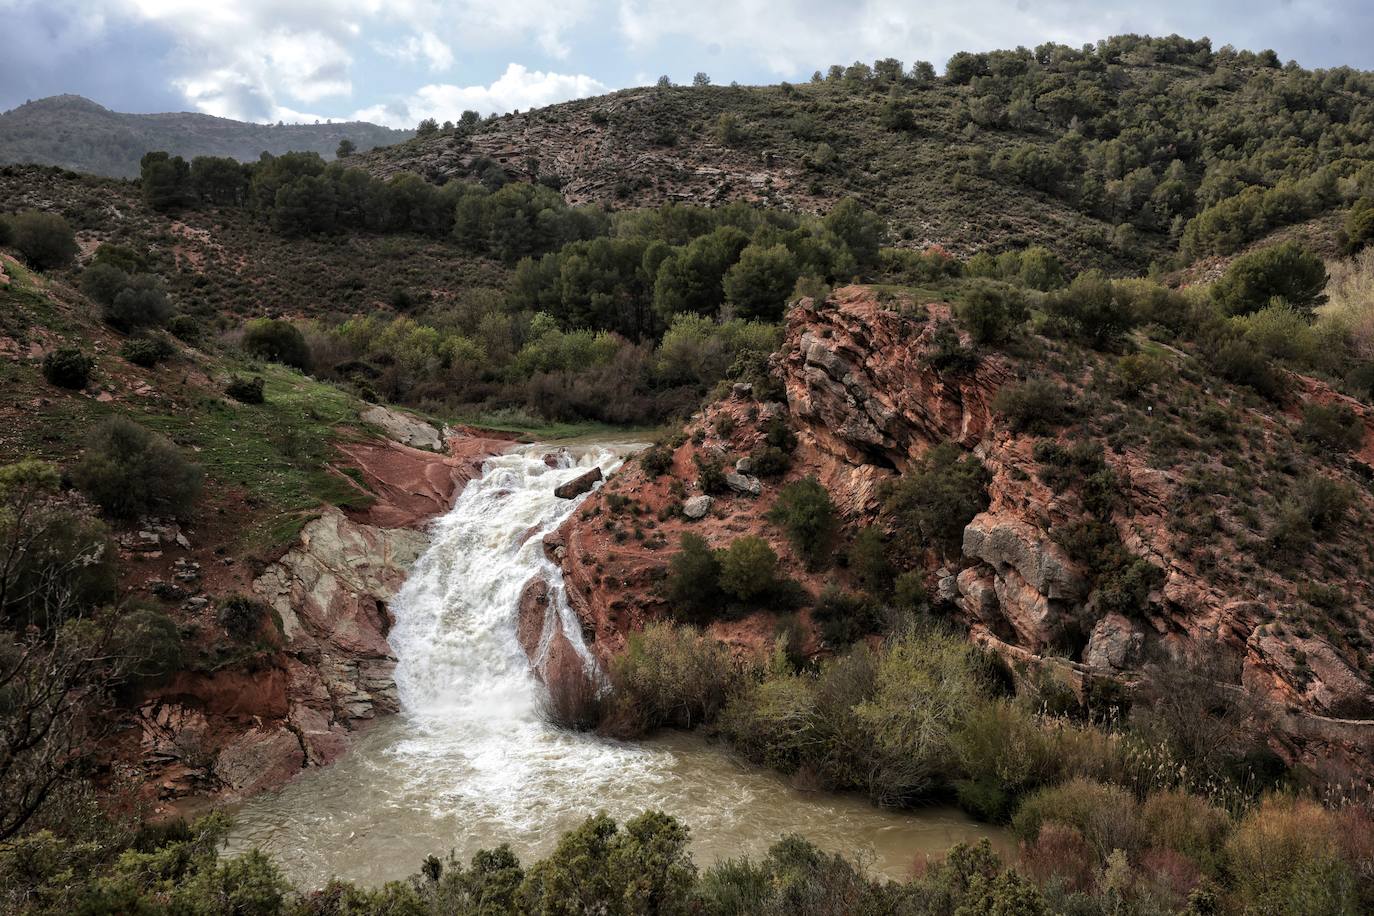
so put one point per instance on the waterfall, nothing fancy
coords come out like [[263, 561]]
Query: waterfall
[[464, 681]]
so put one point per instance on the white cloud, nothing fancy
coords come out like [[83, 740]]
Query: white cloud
[[426, 46], [517, 88]]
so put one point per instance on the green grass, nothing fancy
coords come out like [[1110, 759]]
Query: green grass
[[277, 451]]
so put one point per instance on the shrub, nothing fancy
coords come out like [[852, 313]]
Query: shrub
[[277, 341], [926, 684], [1091, 309], [947, 352], [186, 328], [804, 510], [245, 390], [930, 505], [102, 282], [151, 642], [1003, 752], [1106, 816], [656, 460], [1240, 362], [1137, 373], [130, 471], [1285, 857], [869, 564], [771, 462], [1287, 271], [748, 569], [909, 592], [990, 310], [845, 616], [142, 303], [44, 239], [670, 675], [68, 367], [1359, 224], [1034, 406], [1187, 824], [692, 585], [241, 617], [710, 475], [1333, 427], [146, 351], [1040, 269]]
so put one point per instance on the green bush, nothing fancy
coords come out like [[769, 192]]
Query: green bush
[[869, 563], [102, 282], [1040, 269], [147, 351], [1332, 427], [1359, 224], [1034, 406], [1091, 309], [68, 367], [804, 510], [245, 390], [748, 569], [186, 328], [710, 475], [151, 642], [277, 341], [991, 311], [929, 506], [692, 585], [844, 616], [1240, 362], [142, 303], [44, 239], [1287, 271], [670, 676], [656, 460], [131, 471], [761, 281], [1137, 373]]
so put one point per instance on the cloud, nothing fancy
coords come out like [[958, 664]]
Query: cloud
[[517, 88], [426, 46]]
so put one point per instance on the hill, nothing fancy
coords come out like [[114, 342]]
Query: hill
[[75, 133], [1116, 155]]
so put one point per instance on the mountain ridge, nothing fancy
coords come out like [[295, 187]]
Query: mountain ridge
[[74, 132]]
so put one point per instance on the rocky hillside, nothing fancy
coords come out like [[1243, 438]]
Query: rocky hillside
[[1117, 155], [75, 133], [1115, 528]]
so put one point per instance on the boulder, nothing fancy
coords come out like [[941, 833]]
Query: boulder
[[259, 758], [1115, 644], [404, 428], [578, 485], [697, 506], [743, 483]]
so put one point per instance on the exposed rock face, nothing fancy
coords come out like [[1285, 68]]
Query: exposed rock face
[[404, 428], [866, 400], [578, 485]]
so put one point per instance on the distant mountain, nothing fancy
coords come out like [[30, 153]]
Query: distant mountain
[[78, 134]]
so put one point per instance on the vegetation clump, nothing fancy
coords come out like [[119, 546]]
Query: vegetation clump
[[130, 471]]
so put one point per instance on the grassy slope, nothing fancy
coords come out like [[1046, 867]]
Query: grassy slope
[[266, 463]]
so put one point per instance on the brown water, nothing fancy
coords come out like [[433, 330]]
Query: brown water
[[471, 763], [371, 819]]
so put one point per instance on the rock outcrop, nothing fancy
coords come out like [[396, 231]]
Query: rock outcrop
[[866, 398]]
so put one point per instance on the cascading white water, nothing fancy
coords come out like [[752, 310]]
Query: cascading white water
[[465, 682], [470, 762]]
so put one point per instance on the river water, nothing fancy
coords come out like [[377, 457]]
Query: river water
[[471, 763]]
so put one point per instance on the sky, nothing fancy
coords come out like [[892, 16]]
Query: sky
[[396, 61]]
